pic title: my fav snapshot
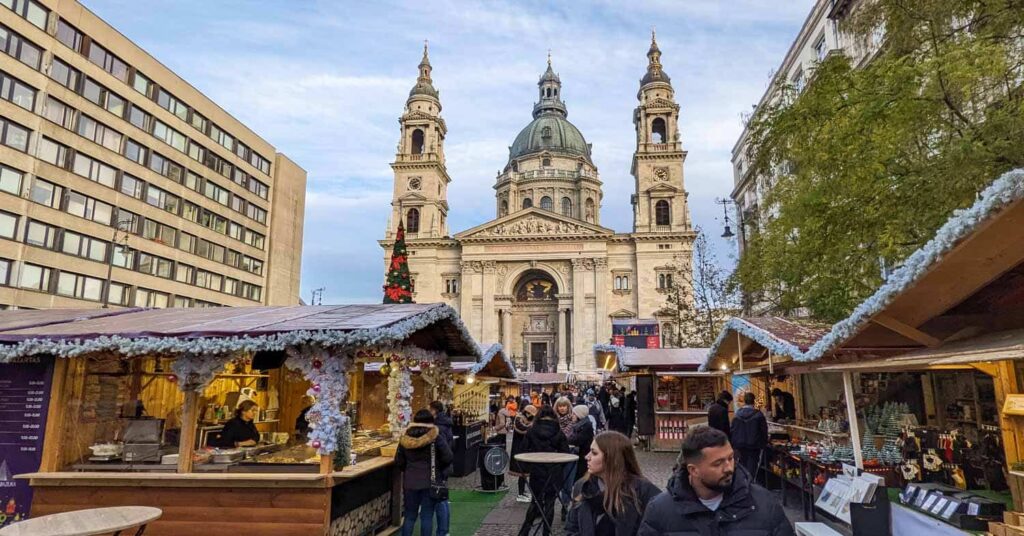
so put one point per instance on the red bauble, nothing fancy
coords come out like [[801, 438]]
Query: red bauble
[[316, 388], [315, 444], [317, 363], [172, 378]]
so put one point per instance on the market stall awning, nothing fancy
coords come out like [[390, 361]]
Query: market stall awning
[[966, 281], [956, 355], [620, 358], [433, 327], [544, 378], [752, 342], [493, 363]]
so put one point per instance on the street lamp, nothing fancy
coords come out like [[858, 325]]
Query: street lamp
[[121, 235], [725, 211]]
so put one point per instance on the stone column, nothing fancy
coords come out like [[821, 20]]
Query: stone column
[[469, 268], [602, 327], [488, 314], [579, 269], [506, 331], [563, 361]]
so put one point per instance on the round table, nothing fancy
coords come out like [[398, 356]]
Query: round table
[[543, 458], [86, 522]]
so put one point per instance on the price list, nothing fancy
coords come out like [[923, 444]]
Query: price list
[[24, 400]]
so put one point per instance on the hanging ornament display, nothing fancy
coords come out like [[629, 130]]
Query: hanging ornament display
[[329, 388], [399, 399]]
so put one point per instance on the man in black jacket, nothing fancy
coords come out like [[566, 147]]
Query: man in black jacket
[[718, 412], [709, 495], [413, 459], [749, 434]]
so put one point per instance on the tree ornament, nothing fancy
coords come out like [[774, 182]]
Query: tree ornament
[[172, 378], [317, 364], [316, 388], [315, 444], [385, 369]]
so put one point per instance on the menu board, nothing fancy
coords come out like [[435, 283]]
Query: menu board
[[24, 400]]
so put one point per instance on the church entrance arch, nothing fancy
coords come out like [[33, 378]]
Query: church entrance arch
[[535, 320]]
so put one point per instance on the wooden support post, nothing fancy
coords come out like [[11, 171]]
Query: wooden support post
[[739, 349], [53, 435], [326, 464], [851, 414], [189, 423]]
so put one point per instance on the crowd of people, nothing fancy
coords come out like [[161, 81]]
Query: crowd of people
[[604, 491]]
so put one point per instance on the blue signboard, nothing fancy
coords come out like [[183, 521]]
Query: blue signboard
[[24, 400]]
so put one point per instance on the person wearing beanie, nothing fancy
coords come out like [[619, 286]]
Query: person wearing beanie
[[582, 436], [522, 425]]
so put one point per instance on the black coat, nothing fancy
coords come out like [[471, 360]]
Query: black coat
[[746, 510], [749, 429], [236, 430], [582, 437], [718, 416], [444, 427], [545, 436], [787, 409], [413, 455], [522, 425], [582, 519]]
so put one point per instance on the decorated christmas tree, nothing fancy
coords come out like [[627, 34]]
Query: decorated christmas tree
[[398, 286]]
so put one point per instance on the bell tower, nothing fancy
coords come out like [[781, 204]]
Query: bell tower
[[420, 197], [659, 202]]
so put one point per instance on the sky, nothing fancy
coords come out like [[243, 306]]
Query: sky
[[326, 82]]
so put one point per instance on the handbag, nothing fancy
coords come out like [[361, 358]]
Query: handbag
[[438, 490]]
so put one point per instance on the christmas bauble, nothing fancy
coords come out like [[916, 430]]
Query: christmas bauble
[[385, 369], [315, 444]]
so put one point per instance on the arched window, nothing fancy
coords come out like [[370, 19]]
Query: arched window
[[527, 203], [662, 213], [618, 283], [661, 281], [417, 141], [588, 212], [546, 204], [658, 131], [504, 208], [567, 207], [412, 220]]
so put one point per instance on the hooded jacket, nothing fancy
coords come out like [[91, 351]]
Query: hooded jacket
[[749, 429], [582, 519], [718, 416], [582, 437], [545, 436], [444, 427], [413, 455], [747, 509]]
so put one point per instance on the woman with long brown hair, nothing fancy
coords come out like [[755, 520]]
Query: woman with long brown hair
[[610, 499]]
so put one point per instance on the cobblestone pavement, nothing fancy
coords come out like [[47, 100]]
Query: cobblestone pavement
[[506, 518]]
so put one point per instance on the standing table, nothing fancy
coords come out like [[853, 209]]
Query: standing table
[[545, 458], [86, 522]]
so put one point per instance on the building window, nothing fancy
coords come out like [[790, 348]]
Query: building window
[[142, 84], [546, 204], [196, 152], [128, 222], [89, 208], [5, 271], [150, 298], [46, 193], [158, 232], [63, 73], [40, 234], [68, 35], [122, 256], [108, 62], [35, 277], [258, 188], [117, 293], [16, 91], [527, 202], [412, 220], [503, 211], [168, 168], [30, 10], [662, 213], [820, 49], [59, 113], [52, 152], [135, 152], [15, 136], [153, 265], [256, 213], [103, 97], [191, 211], [79, 286], [10, 180], [545, 162], [798, 80], [255, 292], [664, 280], [198, 122], [589, 210], [567, 207], [139, 118], [658, 133], [451, 285], [254, 239], [622, 282], [221, 137], [187, 242], [8, 225], [208, 280], [161, 199], [417, 141], [172, 104], [97, 132], [94, 170], [169, 136], [16, 46], [83, 246]]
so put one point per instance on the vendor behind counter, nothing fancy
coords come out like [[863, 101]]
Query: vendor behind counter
[[239, 431]]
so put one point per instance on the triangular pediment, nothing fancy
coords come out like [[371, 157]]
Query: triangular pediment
[[623, 313], [660, 102], [534, 222], [412, 196], [662, 187]]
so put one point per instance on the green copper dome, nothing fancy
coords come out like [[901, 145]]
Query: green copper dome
[[550, 132]]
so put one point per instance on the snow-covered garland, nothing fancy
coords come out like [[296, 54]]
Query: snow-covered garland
[[1002, 192], [487, 355], [617, 350], [775, 345], [399, 398], [195, 372], [327, 374], [130, 347]]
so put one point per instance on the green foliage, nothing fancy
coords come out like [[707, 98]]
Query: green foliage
[[869, 160]]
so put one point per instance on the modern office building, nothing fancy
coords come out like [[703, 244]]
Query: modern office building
[[122, 183]]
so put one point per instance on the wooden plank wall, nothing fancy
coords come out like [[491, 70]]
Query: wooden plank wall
[[207, 511]]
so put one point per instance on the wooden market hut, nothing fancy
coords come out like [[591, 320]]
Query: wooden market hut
[[104, 367]]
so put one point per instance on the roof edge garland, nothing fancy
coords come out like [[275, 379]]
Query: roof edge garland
[[761, 336], [486, 355], [1005, 190], [389, 336]]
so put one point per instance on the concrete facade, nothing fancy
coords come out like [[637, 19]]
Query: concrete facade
[[129, 169], [543, 277]]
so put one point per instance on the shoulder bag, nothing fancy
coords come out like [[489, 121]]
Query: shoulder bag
[[438, 490]]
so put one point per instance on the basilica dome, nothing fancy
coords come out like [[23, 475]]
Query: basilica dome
[[550, 132]]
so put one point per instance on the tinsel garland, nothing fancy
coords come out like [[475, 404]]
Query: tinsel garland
[[487, 355], [327, 374], [127, 346], [399, 399]]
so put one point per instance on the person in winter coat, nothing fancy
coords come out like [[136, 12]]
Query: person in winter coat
[[616, 413], [413, 459], [709, 494], [718, 413], [566, 420], [503, 421], [611, 499], [784, 405], [749, 434], [597, 412], [563, 410], [444, 424], [543, 436], [522, 425], [630, 412], [582, 436]]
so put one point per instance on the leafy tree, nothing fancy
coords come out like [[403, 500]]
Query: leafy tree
[[398, 287], [868, 160], [700, 298]]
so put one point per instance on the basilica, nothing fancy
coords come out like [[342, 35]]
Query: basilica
[[544, 277]]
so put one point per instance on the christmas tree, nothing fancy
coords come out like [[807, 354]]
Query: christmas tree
[[398, 288]]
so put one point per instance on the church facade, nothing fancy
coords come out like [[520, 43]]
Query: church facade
[[544, 277]]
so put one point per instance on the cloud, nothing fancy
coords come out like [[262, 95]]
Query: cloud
[[326, 82]]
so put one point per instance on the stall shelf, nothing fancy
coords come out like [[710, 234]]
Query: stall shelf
[[317, 351]]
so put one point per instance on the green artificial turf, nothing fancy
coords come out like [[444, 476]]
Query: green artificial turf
[[469, 508]]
